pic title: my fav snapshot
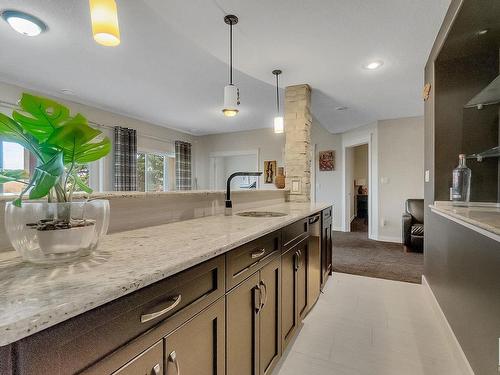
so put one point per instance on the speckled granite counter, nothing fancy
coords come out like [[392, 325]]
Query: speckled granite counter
[[483, 218], [34, 297]]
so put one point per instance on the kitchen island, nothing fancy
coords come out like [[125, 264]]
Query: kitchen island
[[136, 271]]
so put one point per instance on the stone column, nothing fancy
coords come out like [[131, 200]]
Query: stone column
[[298, 122]]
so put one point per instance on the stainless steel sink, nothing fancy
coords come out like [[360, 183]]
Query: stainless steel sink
[[261, 214]]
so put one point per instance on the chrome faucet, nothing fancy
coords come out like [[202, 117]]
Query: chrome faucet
[[229, 205]]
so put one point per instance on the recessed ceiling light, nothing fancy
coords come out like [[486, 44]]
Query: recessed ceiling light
[[24, 23], [482, 32], [68, 91], [374, 65], [341, 108]]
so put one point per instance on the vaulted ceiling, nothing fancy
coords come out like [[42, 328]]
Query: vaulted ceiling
[[171, 65]]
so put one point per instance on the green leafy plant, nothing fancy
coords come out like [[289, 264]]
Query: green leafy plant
[[61, 144]]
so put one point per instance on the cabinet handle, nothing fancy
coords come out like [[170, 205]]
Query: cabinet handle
[[262, 304], [147, 317], [257, 299], [296, 261], [156, 369], [258, 254], [314, 219], [172, 357]]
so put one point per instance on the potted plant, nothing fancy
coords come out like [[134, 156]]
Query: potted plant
[[58, 229]]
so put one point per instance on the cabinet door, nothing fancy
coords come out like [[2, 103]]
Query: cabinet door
[[270, 317], [302, 278], [197, 347], [326, 251], [148, 363], [242, 317], [314, 268], [289, 318]]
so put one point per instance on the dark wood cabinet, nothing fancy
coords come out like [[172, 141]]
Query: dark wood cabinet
[[326, 245], [148, 363], [253, 312], [270, 317], [231, 315], [295, 293], [198, 346]]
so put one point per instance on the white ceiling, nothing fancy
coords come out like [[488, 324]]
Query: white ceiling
[[171, 66]]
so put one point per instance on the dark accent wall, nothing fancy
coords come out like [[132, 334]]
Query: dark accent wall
[[461, 130], [463, 269], [462, 266]]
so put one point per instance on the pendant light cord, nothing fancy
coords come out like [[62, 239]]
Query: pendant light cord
[[231, 53], [277, 94]]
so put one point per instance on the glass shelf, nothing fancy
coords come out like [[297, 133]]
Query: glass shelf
[[489, 95], [491, 153]]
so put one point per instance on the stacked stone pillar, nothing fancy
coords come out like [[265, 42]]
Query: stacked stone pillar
[[298, 122]]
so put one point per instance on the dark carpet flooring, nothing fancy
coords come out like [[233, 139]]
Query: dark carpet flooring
[[354, 253]]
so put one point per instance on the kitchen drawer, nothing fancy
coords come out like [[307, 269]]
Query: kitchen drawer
[[245, 260], [150, 362], [294, 233], [107, 330]]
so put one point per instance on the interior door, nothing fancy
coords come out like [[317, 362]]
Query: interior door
[[270, 317], [197, 347], [242, 321]]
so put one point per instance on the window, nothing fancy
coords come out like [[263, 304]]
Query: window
[[155, 172], [13, 156]]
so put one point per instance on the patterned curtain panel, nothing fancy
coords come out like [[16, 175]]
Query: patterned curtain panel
[[183, 165], [125, 159]]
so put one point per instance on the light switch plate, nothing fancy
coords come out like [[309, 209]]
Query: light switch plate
[[427, 176]]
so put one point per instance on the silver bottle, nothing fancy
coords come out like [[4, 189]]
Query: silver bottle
[[460, 191]]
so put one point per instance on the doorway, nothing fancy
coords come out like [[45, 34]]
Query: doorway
[[223, 164], [358, 194], [359, 186]]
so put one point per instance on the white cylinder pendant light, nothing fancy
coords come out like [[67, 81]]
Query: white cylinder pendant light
[[104, 17], [279, 126], [231, 92], [230, 101]]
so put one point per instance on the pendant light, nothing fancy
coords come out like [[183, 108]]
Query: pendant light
[[278, 120], [104, 17], [231, 92]]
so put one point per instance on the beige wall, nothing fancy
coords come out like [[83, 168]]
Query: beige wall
[[401, 171], [361, 163], [269, 145], [328, 185]]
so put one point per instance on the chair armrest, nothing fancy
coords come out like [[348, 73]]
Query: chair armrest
[[407, 222]]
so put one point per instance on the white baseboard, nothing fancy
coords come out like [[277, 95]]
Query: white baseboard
[[454, 344], [388, 239]]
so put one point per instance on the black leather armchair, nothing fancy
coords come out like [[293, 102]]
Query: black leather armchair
[[413, 224]]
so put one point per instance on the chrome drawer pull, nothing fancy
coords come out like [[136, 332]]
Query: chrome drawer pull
[[258, 254], [172, 357], [147, 317]]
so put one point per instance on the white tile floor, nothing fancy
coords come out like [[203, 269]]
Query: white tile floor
[[370, 326]]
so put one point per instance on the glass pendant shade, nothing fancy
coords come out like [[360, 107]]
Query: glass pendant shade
[[104, 16], [231, 101], [278, 125]]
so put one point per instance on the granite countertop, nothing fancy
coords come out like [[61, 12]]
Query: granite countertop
[[484, 218], [8, 197], [35, 297]]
